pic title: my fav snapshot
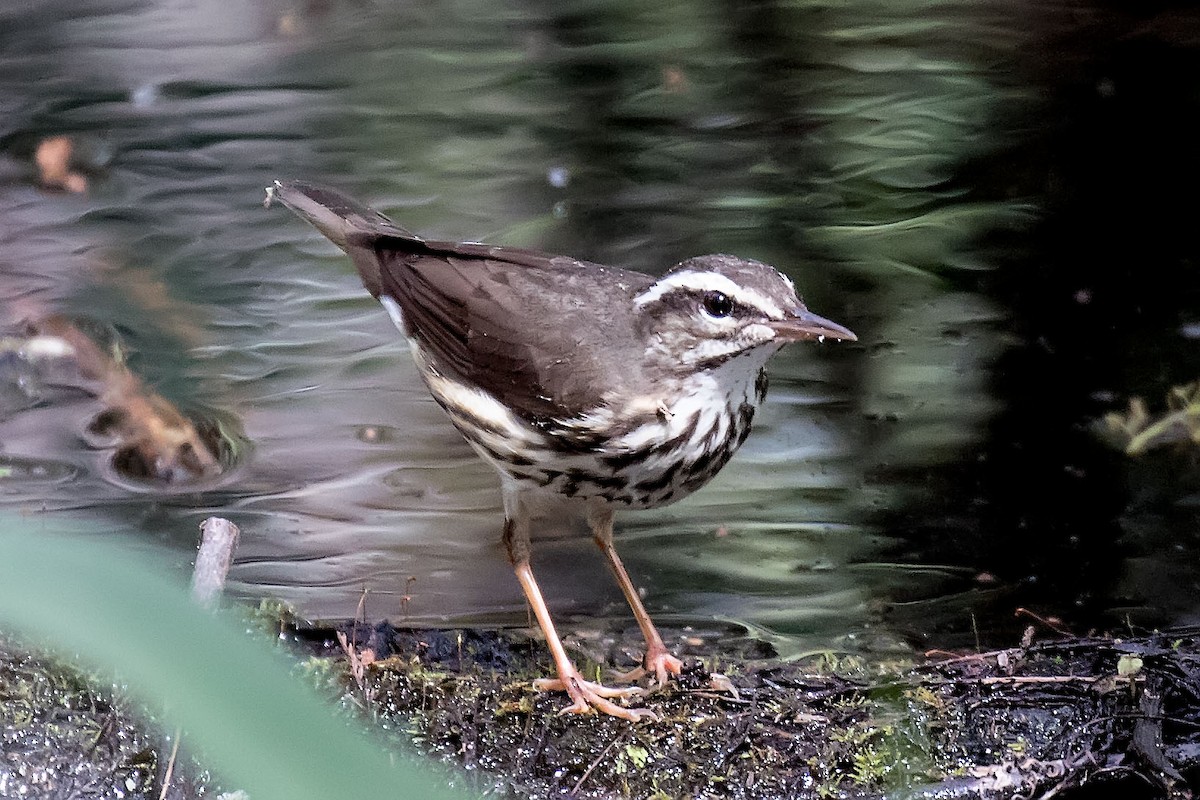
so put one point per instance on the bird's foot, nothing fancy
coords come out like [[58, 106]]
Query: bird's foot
[[588, 696], [658, 663]]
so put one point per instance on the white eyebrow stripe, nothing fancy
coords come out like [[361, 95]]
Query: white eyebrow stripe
[[708, 282]]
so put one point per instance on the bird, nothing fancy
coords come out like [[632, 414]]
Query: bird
[[609, 387]]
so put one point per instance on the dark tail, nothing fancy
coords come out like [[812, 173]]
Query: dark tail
[[350, 225]]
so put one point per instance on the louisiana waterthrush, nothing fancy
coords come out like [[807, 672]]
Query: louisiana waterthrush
[[578, 380]]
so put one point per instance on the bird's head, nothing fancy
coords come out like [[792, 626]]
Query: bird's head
[[710, 309]]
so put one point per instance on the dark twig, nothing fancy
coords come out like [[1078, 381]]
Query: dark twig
[[616, 740]]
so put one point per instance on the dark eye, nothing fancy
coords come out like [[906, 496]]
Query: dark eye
[[717, 304]]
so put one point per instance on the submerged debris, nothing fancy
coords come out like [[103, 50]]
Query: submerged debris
[[1137, 430], [54, 159], [152, 440]]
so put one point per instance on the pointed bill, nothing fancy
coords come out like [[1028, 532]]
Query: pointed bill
[[803, 325]]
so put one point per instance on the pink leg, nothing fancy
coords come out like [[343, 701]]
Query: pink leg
[[657, 661], [585, 695]]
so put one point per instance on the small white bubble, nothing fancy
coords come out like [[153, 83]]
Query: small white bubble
[[558, 177], [144, 96]]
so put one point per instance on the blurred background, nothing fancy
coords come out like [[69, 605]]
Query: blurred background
[[997, 196]]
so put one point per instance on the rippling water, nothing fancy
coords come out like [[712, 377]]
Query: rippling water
[[991, 196]]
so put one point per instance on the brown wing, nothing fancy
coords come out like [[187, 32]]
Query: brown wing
[[544, 334], [536, 331]]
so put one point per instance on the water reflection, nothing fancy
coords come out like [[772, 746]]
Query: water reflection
[[950, 182]]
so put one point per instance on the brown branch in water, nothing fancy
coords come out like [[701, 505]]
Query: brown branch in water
[[153, 439], [1049, 623]]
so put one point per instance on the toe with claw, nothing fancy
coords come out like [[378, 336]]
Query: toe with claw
[[657, 663], [588, 696]]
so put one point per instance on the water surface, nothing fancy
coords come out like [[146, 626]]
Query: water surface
[[993, 198]]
